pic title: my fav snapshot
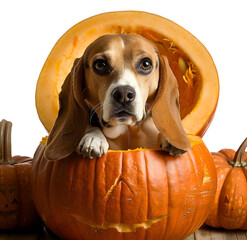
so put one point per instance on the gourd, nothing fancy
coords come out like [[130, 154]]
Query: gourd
[[229, 210], [16, 203], [135, 194]]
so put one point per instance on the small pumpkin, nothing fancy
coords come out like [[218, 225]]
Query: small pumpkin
[[189, 60], [135, 194], [229, 210], [16, 203]]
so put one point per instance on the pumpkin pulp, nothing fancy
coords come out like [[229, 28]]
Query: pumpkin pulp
[[191, 64]]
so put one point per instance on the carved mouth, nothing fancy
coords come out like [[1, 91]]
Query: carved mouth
[[120, 227], [7, 213]]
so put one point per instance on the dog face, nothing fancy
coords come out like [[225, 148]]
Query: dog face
[[121, 74], [117, 76]]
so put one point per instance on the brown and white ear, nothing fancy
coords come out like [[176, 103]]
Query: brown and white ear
[[166, 110], [72, 119]]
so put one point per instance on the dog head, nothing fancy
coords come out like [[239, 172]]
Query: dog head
[[117, 77], [121, 74]]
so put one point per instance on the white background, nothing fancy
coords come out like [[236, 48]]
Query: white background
[[29, 29]]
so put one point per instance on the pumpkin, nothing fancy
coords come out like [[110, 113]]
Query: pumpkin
[[190, 61], [230, 206], [134, 194], [16, 204]]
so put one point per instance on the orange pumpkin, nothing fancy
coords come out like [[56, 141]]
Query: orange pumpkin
[[135, 194], [16, 204], [230, 206], [189, 59]]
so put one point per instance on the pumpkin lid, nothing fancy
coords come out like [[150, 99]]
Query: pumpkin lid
[[189, 59]]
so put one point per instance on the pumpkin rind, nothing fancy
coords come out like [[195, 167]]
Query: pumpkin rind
[[189, 60], [229, 210], [135, 194], [16, 203]]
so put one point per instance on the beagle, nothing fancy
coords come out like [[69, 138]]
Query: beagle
[[112, 99]]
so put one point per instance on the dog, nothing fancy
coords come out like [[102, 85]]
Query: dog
[[113, 99]]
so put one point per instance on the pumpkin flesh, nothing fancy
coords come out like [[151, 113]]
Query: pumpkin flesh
[[139, 194], [190, 61]]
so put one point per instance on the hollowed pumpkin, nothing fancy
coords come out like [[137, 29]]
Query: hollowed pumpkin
[[135, 194], [190, 61]]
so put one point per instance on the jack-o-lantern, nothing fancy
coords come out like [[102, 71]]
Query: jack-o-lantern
[[16, 204], [9, 202], [229, 210], [136, 194]]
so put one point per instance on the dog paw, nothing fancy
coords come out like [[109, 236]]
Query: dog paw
[[92, 146], [173, 150], [169, 148]]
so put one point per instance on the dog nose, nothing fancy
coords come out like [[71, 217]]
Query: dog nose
[[124, 94]]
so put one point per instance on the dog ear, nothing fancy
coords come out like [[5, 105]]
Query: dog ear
[[166, 109], [72, 119]]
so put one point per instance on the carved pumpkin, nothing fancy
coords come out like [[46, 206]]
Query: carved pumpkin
[[230, 206], [135, 194], [190, 61], [16, 204]]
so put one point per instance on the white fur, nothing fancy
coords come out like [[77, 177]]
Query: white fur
[[122, 43], [93, 144], [127, 78], [114, 132]]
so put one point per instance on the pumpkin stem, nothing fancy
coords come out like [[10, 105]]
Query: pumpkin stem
[[5, 142], [239, 156]]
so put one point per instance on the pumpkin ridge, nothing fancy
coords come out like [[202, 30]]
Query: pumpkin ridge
[[191, 211], [94, 187], [207, 178], [244, 223], [50, 195], [18, 176], [147, 186], [120, 186], [170, 186]]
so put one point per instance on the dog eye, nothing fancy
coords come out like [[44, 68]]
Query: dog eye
[[145, 66], [101, 66]]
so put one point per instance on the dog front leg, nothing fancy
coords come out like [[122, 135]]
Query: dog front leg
[[93, 144]]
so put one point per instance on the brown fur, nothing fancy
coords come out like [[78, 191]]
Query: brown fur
[[83, 89]]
